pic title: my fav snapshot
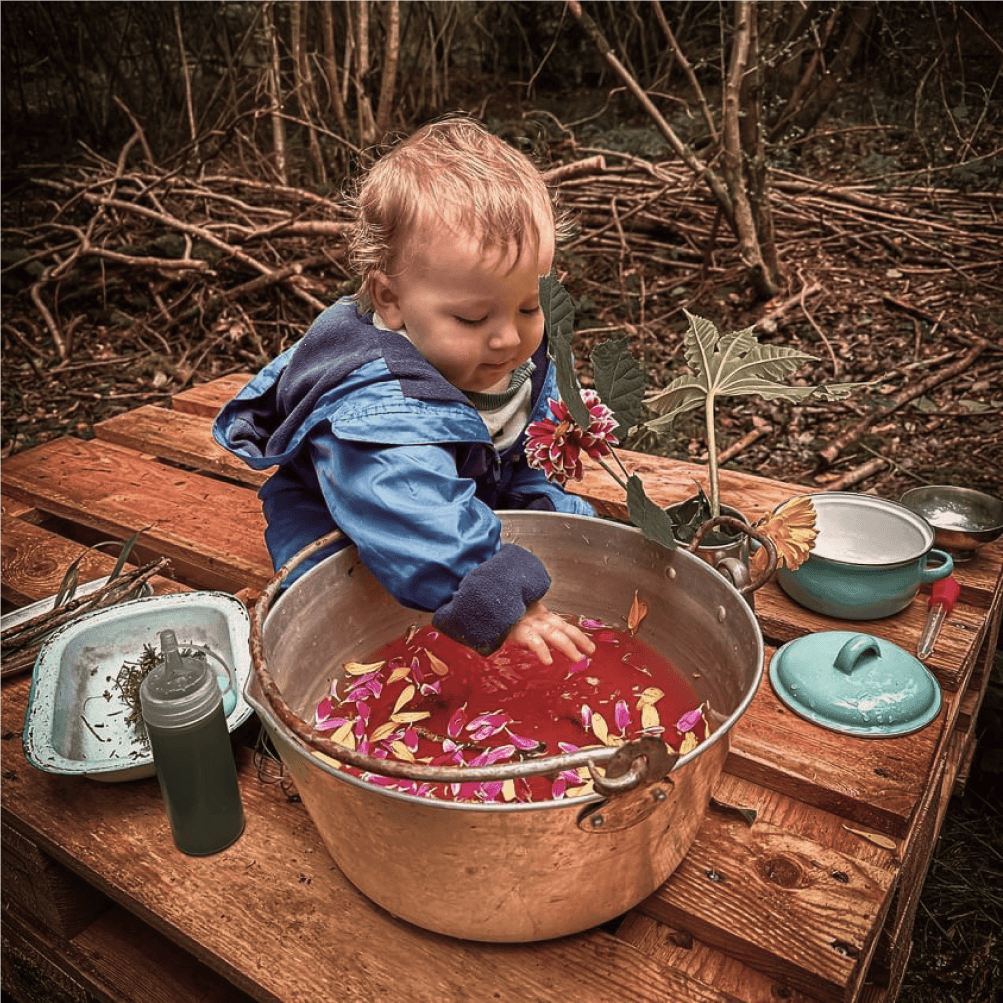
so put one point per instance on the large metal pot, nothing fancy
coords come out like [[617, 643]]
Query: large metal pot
[[511, 872]]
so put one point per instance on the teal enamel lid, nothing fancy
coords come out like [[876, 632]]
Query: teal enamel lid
[[855, 683]]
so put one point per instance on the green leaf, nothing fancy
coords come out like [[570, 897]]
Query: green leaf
[[123, 556], [69, 583], [651, 520], [559, 321], [734, 364], [620, 383], [684, 393]]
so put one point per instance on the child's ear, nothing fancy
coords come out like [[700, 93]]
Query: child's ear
[[383, 293]]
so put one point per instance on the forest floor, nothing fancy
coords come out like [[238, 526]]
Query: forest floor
[[893, 278]]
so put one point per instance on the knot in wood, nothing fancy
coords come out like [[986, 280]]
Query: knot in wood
[[783, 871]]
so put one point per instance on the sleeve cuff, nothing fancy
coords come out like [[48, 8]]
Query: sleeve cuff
[[492, 597]]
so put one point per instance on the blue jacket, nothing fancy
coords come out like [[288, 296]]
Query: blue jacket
[[368, 437]]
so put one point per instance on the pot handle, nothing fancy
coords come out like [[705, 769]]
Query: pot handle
[[942, 570], [638, 761], [854, 651], [739, 526]]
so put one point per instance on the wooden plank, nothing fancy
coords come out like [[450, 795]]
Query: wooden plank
[[46, 892], [206, 399], [182, 438], [16, 509], [786, 905], [676, 945], [35, 560], [273, 914], [917, 853], [212, 531]]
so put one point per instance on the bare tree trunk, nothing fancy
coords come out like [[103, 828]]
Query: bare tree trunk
[[275, 92], [331, 68], [305, 96], [391, 56], [367, 127], [186, 73], [748, 224]]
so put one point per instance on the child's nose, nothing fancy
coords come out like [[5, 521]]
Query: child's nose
[[506, 335]]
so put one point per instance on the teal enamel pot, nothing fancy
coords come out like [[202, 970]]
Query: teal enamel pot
[[870, 558]]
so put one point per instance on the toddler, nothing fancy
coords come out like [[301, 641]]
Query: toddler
[[400, 416]]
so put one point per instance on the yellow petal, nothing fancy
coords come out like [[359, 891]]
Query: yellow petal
[[439, 667], [792, 530], [600, 728], [649, 716], [383, 731], [398, 674], [689, 743], [359, 669], [650, 696], [409, 717], [405, 695], [401, 751], [345, 735], [638, 611]]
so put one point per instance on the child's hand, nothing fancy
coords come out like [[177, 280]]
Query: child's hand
[[540, 630]]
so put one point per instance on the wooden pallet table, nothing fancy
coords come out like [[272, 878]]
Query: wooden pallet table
[[811, 903]]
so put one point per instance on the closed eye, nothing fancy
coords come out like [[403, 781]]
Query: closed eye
[[471, 322]]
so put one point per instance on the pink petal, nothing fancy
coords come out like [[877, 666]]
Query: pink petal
[[592, 624], [621, 715], [331, 723], [586, 716], [494, 720], [491, 756], [559, 787], [325, 708], [689, 721], [523, 743], [456, 722], [491, 789], [411, 740], [567, 747]]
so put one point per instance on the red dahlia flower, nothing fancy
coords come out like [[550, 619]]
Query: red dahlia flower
[[555, 447]]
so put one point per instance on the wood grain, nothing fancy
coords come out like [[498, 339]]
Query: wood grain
[[177, 512]]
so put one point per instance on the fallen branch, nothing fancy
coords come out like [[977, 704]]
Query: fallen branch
[[829, 454], [22, 642], [862, 473]]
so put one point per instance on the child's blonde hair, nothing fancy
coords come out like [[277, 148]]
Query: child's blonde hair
[[459, 172]]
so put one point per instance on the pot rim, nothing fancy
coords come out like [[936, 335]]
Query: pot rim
[[848, 499]]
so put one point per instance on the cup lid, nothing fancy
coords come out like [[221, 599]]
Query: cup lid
[[855, 683]]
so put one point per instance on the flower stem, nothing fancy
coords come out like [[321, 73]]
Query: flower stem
[[619, 462], [609, 470], [715, 485]]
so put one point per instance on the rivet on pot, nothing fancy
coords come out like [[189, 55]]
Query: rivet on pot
[[596, 821], [658, 794], [670, 573], [722, 614]]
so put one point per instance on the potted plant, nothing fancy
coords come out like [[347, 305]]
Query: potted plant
[[594, 421]]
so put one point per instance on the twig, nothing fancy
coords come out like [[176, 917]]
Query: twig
[[740, 445], [829, 454], [858, 474]]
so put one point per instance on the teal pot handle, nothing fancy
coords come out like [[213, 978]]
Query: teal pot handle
[[856, 649], [942, 570]]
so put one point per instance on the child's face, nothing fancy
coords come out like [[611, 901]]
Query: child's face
[[473, 313]]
